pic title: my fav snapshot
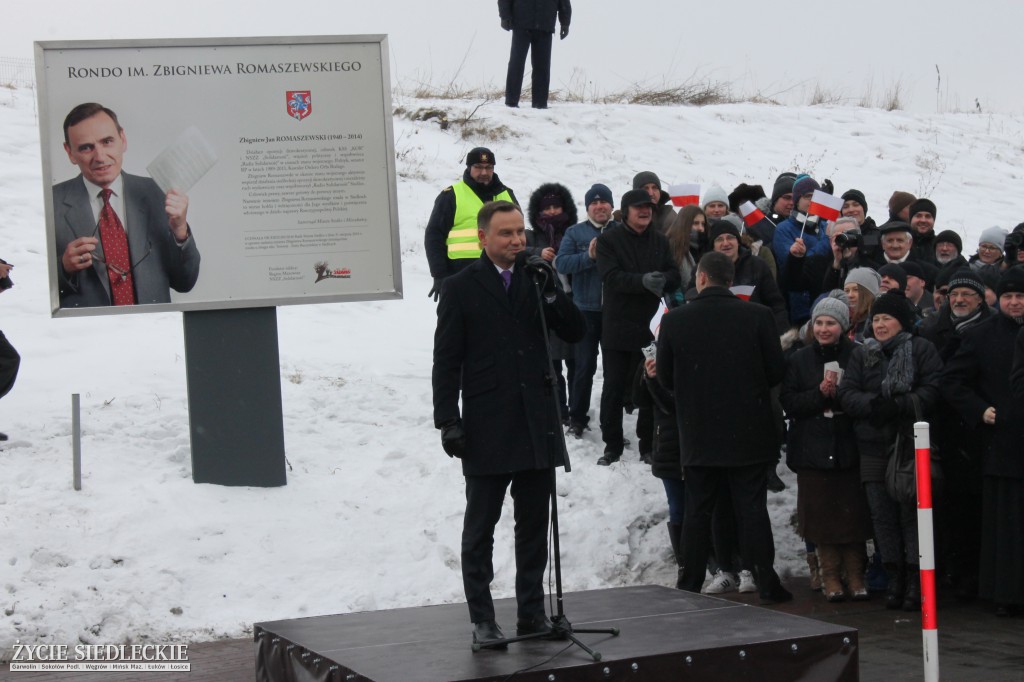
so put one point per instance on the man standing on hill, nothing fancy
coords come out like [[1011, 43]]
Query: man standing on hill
[[451, 239], [532, 23]]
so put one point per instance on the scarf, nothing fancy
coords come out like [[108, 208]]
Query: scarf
[[554, 227], [899, 375], [961, 323]]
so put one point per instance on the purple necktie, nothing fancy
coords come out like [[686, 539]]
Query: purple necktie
[[506, 277]]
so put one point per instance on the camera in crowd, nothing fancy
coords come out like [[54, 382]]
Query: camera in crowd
[[1011, 246], [850, 239]]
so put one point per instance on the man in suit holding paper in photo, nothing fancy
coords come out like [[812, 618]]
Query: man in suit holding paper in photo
[[120, 239]]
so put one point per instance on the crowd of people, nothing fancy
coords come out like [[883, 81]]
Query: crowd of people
[[873, 326]]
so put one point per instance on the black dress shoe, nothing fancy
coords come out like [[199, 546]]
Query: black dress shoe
[[3, 436], [775, 595], [488, 631], [609, 457], [539, 625]]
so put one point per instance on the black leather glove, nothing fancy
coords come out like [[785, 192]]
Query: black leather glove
[[883, 410], [563, 32], [435, 290], [545, 274], [827, 187], [453, 438], [654, 282], [506, 24]]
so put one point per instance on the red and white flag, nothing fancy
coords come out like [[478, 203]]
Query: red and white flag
[[744, 291], [684, 195], [825, 205], [752, 215]]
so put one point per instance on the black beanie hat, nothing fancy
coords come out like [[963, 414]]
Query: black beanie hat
[[950, 237], [1011, 280], [783, 185], [894, 304], [634, 197], [896, 272], [858, 196], [926, 205], [720, 227], [967, 278], [480, 155]]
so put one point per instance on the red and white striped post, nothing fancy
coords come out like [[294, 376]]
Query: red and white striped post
[[926, 542]]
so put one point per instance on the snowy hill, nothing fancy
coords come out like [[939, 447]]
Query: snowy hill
[[371, 515]]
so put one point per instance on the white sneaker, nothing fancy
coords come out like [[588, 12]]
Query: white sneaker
[[747, 583], [722, 582]]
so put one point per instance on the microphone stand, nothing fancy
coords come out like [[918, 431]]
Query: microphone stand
[[561, 628]]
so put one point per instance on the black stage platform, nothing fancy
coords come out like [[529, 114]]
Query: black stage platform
[[666, 634]]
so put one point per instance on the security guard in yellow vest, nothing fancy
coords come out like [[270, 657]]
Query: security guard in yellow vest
[[451, 237]]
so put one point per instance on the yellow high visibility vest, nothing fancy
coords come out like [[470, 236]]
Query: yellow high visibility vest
[[463, 241]]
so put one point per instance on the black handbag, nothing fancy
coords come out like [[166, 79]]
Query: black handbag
[[900, 470]]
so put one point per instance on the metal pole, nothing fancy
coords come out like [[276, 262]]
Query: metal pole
[[76, 441], [926, 542]]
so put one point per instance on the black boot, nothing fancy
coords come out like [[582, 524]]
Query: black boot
[[912, 597], [894, 594], [675, 535]]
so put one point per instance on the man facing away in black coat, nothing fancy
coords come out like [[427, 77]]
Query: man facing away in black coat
[[489, 345], [721, 356]]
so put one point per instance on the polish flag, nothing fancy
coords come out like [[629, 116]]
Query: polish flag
[[752, 215], [684, 195], [825, 205], [744, 291]]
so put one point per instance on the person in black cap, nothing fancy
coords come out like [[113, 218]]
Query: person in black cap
[[922, 222], [891, 381], [577, 258], [781, 204], [855, 206], [636, 269], [976, 382], [664, 214], [532, 23], [947, 250], [917, 293], [451, 239], [897, 247]]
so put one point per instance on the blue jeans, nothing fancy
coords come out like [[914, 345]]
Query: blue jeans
[[586, 366], [675, 491]]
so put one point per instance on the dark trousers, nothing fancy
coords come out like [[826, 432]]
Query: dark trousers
[[9, 363], [538, 44], [619, 367], [586, 366], [748, 486], [531, 495]]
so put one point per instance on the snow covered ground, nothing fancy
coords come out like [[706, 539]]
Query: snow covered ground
[[371, 515]]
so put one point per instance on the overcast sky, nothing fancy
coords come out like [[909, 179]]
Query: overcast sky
[[767, 47]]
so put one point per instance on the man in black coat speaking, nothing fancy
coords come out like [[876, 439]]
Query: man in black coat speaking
[[489, 345], [721, 356]]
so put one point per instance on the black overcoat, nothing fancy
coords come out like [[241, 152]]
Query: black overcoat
[[623, 258], [978, 377], [721, 356], [489, 346], [817, 442]]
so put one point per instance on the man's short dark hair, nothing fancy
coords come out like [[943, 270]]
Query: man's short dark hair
[[84, 111], [718, 267], [483, 218]]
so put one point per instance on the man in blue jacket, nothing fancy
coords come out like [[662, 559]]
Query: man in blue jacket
[[577, 258]]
